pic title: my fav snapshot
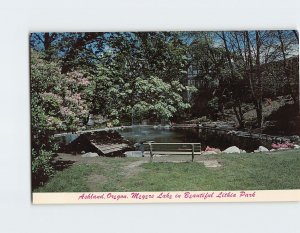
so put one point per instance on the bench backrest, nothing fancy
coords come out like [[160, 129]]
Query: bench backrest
[[187, 148]]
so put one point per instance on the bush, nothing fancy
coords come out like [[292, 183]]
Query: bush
[[58, 103], [41, 167], [213, 106]]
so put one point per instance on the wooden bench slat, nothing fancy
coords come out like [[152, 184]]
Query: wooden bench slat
[[173, 149]]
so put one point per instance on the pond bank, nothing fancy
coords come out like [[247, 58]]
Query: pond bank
[[215, 134]]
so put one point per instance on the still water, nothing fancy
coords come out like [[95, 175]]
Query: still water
[[138, 134], [159, 134]]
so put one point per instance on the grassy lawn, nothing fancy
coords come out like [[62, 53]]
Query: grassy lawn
[[277, 170]]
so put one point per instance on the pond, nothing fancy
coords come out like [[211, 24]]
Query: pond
[[210, 138], [159, 134]]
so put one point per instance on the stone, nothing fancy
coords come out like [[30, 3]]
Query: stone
[[296, 146], [232, 149], [83, 152], [295, 138], [243, 151], [262, 149], [133, 154], [89, 155], [272, 150], [232, 132], [209, 153]]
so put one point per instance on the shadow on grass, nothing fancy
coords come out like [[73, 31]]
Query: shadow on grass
[[61, 165], [41, 179]]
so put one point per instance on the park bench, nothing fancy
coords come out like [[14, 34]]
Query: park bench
[[152, 149]]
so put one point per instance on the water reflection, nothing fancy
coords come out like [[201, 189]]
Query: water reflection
[[210, 138], [160, 134]]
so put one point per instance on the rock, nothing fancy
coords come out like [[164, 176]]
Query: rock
[[83, 152], [256, 151], [272, 150], [89, 155], [262, 149], [243, 151], [211, 125], [295, 138], [296, 146], [133, 154], [209, 153], [232, 149], [232, 132]]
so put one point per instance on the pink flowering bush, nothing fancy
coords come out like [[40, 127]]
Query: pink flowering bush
[[285, 145], [212, 149], [58, 103]]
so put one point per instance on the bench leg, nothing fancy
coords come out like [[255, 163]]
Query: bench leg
[[193, 155], [151, 153]]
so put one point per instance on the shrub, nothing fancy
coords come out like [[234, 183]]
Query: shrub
[[57, 104], [41, 167]]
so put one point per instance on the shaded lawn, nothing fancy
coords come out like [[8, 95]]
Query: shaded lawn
[[260, 171]]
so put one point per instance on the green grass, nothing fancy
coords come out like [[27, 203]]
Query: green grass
[[279, 170]]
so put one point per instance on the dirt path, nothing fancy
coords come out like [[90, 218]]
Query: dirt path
[[131, 165], [133, 168]]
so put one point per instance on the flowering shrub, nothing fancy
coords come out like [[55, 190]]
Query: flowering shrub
[[57, 104], [282, 145], [212, 149]]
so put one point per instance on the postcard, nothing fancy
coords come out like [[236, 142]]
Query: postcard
[[164, 116]]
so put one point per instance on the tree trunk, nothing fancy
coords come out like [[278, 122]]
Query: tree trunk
[[237, 103], [294, 94], [259, 81], [48, 39], [256, 90], [238, 113], [296, 35]]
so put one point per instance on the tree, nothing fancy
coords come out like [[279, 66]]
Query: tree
[[44, 41], [235, 89], [286, 45], [207, 62], [132, 59]]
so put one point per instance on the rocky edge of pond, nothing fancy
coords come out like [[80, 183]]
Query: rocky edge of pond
[[110, 143], [236, 150]]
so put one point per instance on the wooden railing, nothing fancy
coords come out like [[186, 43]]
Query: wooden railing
[[173, 149]]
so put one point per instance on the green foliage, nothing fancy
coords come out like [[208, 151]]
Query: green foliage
[[142, 78], [157, 99], [140, 75], [57, 104], [213, 106], [41, 166]]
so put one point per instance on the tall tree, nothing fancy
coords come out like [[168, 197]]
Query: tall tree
[[44, 41]]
